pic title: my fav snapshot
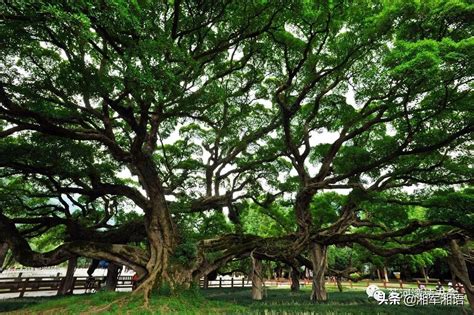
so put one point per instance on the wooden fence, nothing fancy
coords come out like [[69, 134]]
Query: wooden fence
[[242, 282], [24, 285], [226, 283]]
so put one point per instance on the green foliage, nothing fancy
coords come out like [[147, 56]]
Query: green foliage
[[326, 208], [355, 276], [226, 117], [185, 253], [266, 222]]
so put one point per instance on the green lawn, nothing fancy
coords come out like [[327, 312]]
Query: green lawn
[[216, 301]]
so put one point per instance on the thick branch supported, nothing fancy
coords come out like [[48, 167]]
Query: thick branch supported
[[457, 264], [66, 286], [133, 257], [257, 279], [319, 257]]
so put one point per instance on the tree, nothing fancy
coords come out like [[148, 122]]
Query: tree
[[410, 120], [95, 73], [132, 128]]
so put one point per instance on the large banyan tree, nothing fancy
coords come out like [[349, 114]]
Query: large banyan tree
[[141, 132]]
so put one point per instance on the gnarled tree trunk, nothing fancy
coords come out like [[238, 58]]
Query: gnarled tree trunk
[[458, 266], [319, 260], [66, 286], [162, 240], [295, 279], [160, 230], [161, 246], [257, 280]]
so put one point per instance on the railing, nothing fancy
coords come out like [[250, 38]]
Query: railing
[[23, 285], [241, 282], [226, 283]]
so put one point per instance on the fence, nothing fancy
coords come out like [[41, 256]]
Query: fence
[[24, 285], [242, 282], [226, 283]]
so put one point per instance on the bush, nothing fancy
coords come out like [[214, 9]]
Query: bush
[[355, 276]]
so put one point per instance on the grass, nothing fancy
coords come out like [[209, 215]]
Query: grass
[[119, 303], [217, 301]]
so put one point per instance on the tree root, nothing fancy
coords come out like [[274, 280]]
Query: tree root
[[100, 309]]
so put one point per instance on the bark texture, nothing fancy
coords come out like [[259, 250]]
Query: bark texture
[[257, 280], [67, 284], [319, 259], [458, 266], [295, 279]]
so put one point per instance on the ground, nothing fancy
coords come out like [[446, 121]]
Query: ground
[[217, 301]]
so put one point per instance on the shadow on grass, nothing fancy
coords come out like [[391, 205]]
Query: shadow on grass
[[281, 301], [9, 305], [218, 301]]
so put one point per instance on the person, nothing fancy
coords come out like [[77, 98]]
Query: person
[[450, 287], [461, 288], [103, 264], [134, 281], [439, 287], [456, 287], [420, 285]]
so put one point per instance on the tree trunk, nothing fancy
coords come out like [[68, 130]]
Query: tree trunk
[[319, 259], [112, 277], [339, 284], [159, 227], [157, 266], [453, 275], [303, 215], [425, 276], [385, 273], [66, 286], [3, 253], [162, 242], [458, 266], [295, 279], [257, 280], [379, 274]]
